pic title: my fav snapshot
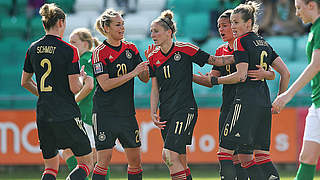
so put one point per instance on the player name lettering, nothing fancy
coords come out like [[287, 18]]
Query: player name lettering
[[46, 49], [260, 43]]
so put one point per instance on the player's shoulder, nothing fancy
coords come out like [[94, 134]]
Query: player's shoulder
[[154, 53], [129, 45], [186, 45], [98, 53]]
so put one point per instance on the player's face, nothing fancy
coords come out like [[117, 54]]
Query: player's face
[[116, 29], [81, 45], [238, 26], [302, 11], [225, 30], [159, 35]]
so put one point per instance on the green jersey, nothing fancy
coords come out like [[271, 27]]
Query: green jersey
[[313, 44], [86, 103]]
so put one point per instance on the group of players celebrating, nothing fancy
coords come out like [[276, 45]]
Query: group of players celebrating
[[242, 65]]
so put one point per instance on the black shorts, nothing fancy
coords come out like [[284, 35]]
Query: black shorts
[[247, 128], [224, 111], [108, 128], [61, 135], [179, 130]]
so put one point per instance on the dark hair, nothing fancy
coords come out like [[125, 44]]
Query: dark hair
[[85, 35], [105, 20], [226, 14], [50, 15], [249, 10], [316, 1], [166, 21]]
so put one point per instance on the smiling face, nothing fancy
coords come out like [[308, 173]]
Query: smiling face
[[225, 31], [159, 35], [303, 11], [238, 26], [116, 29]]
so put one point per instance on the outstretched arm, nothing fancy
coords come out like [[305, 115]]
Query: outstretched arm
[[220, 60]]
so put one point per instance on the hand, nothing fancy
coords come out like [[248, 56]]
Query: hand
[[280, 102], [143, 66], [206, 77], [83, 74], [258, 74], [156, 121], [149, 50]]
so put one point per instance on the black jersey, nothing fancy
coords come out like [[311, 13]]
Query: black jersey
[[229, 90], [52, 60], [115, 61], [174, 76], [254, 50]]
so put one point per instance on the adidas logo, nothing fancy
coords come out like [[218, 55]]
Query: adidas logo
[[273, 177], [237, 135], [158, 62], [110, 57]]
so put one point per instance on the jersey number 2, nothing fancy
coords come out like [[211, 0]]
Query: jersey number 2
[[45, 75]]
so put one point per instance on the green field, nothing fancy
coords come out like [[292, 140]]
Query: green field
[[199, 172]]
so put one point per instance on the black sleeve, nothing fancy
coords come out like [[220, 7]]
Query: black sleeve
[[137, 59], [73, 66], [240, 52], [274, 55], [27, 63], [200, 58]]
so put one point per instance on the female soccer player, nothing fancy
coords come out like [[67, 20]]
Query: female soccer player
[[59, 123], [248, 123], [309, 12], [115, 64], [171, 72], [83, 40], [229, 90]]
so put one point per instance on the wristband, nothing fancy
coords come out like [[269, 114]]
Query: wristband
[[214, 80]]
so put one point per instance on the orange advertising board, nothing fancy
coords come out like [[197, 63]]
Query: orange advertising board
[[19, 142]]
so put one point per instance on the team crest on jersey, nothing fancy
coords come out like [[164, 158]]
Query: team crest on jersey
[[102, 136], [98, 67], [128, 54], [177, 57]]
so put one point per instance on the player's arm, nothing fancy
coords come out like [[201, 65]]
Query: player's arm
[[220, 60], [203, 80], [283, 70], [309, 72], [107, 83], [28, 83], [86, 89], [154, 101], [239, 76], [260, 74]]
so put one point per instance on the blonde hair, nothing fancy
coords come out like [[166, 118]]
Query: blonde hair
[[84, 34], [166, 21], [50, 15], [249, 10], [105, 19]]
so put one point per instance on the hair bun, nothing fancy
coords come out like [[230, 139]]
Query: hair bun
[[167, 14]]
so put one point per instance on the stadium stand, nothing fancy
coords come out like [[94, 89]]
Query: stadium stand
[[193, 19]]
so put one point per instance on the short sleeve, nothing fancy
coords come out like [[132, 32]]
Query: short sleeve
[[240, 53], [273, 55], [99, 64], [152, 72], [137, 59], [316, 39], [73, 66], [27, 63], [200, 58]]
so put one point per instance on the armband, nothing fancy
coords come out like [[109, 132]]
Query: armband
[[214, 80]]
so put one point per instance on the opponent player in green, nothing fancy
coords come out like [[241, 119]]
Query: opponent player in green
[[309, 12], [83, 40]]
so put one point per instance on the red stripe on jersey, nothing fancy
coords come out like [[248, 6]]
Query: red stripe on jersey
[[237, 46], [187, 48], [99, 54], [75, 51], [224, 50]]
